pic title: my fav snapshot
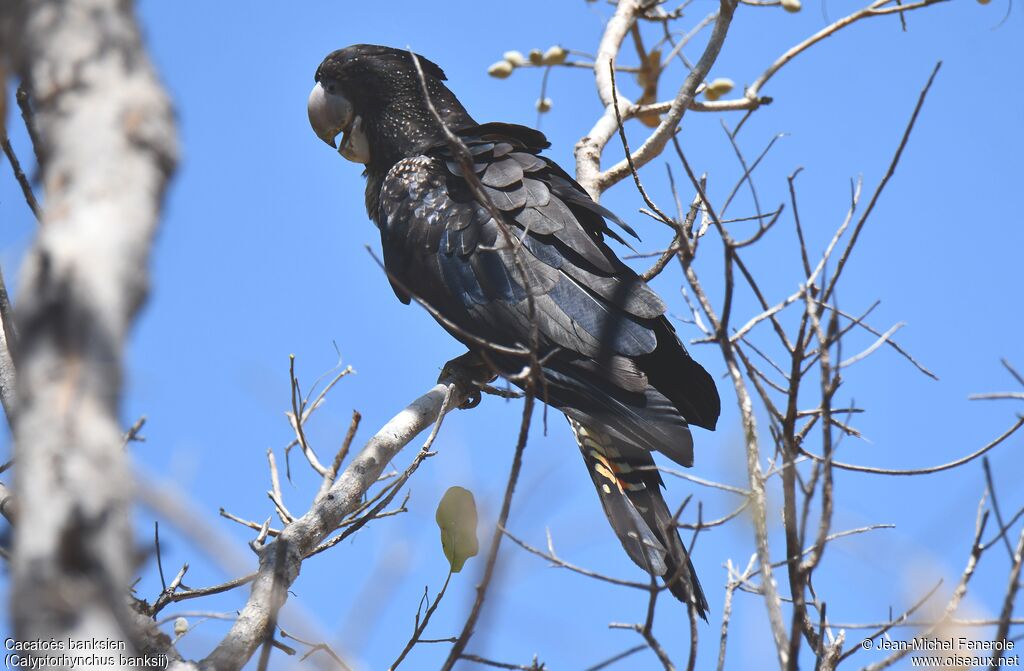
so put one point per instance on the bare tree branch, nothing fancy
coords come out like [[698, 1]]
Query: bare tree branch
[[19, 174], [656, 142], [588, 150], [8, 351], [1013, 586], [281, 560], [929, 469], [421, 624], [958, 593], [877, 8], [468, 629], [109, 145]]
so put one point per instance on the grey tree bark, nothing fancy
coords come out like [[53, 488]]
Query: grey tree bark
[[108, 148]]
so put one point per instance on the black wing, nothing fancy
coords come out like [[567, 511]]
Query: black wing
[[615, 358]]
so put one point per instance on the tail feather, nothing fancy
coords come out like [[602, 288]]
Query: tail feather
[[629, 487]]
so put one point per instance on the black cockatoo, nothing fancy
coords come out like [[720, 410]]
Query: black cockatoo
[[611, 360]]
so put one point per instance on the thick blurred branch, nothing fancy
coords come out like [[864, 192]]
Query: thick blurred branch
[[8, 348], [109, 140]]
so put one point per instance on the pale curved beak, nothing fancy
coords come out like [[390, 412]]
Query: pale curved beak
[[329, 114]]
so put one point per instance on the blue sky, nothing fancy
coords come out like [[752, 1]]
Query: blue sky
[[261, 255]]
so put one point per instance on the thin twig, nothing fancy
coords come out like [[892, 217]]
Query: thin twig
[[1012, 587], [421, 625], [316, 647], [492, 554], [28, 116], [617, 658], [929, 469], [558, 562], [989, 482], [844, 257], [655, 143], [958, 593], [19, 175]]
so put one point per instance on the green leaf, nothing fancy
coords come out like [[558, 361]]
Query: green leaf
[[456, 516]]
